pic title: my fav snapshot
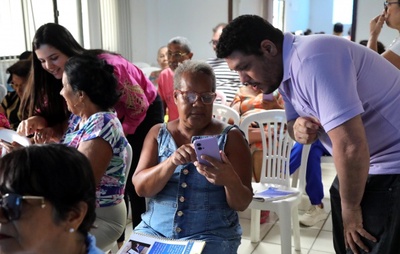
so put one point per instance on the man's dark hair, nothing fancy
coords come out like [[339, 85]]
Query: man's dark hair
[[338, 28], [245, 34]]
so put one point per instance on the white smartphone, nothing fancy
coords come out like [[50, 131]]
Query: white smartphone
[[207, 146]]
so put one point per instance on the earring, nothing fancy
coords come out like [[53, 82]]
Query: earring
[[71, 230]]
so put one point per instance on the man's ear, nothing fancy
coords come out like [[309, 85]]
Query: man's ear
[[190, 55], [269, 48]]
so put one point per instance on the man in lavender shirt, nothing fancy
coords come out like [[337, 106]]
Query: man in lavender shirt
[[348, 97]]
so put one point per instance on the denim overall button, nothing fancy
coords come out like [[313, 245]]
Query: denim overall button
[[184, 185], [182, 199], [180, 213]]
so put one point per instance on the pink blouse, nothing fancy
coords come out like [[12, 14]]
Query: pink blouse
[[137, 92]]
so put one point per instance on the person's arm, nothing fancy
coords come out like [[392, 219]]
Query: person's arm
[[392, 57], [375, 27], [29, 126], [50, 134], [150, 175], [239, 192], [352, 161], [99, 153]]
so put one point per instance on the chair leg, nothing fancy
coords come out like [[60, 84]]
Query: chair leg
[[285, 228], [255, 225], [296, 228]]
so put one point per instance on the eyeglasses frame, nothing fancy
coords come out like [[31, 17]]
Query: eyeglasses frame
[[177, 55], [386, 4], [198, 95], [19, 206]]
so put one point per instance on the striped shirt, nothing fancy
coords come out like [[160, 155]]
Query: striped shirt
[[228, 81]]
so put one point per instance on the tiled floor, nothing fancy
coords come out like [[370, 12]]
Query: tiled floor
[[314, 240]]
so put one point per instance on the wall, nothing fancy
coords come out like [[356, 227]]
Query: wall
[[321, 16], [297, 15], [155, 22], [158, 21]]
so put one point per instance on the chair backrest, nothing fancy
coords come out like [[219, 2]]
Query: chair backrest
[[276, 144], [299, 176], [128, 161], [224, 113]]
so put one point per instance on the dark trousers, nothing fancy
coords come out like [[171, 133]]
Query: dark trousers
[[154, 115], [381, 214]]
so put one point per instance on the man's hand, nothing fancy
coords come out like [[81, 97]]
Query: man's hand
[[305, 129], [353, 229]]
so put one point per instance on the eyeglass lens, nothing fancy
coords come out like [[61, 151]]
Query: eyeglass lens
[[175, 55], [11, 206], [206, 98]]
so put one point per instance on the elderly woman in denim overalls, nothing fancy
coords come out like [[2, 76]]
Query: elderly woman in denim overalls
[[189, 200]]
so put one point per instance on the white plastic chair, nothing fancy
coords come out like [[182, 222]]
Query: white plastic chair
[[224, 113], [277, 146]]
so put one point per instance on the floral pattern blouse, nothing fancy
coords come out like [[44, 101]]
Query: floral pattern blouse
[[103, 125]]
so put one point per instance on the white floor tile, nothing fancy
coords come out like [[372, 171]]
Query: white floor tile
[[270, 248], [324, 242], [307, 236], [328, 224], [320, 252], [246, 246]]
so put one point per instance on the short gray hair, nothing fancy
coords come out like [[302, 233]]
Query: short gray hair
[[191, 67], [182, 41]]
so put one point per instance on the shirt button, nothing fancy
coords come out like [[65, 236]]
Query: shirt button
[[180, 213], [182, 199], [184, 185], [185, 171]]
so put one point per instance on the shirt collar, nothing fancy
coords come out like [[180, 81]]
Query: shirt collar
[[288, 41]]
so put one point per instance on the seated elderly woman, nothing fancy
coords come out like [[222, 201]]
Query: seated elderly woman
[[47, 207], [89, 89], [189, 200]]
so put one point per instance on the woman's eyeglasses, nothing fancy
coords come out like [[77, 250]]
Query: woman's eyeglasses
[[11, 205], [192, 97], [177, 55]]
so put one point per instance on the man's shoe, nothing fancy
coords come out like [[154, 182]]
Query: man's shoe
[[314, 215]]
